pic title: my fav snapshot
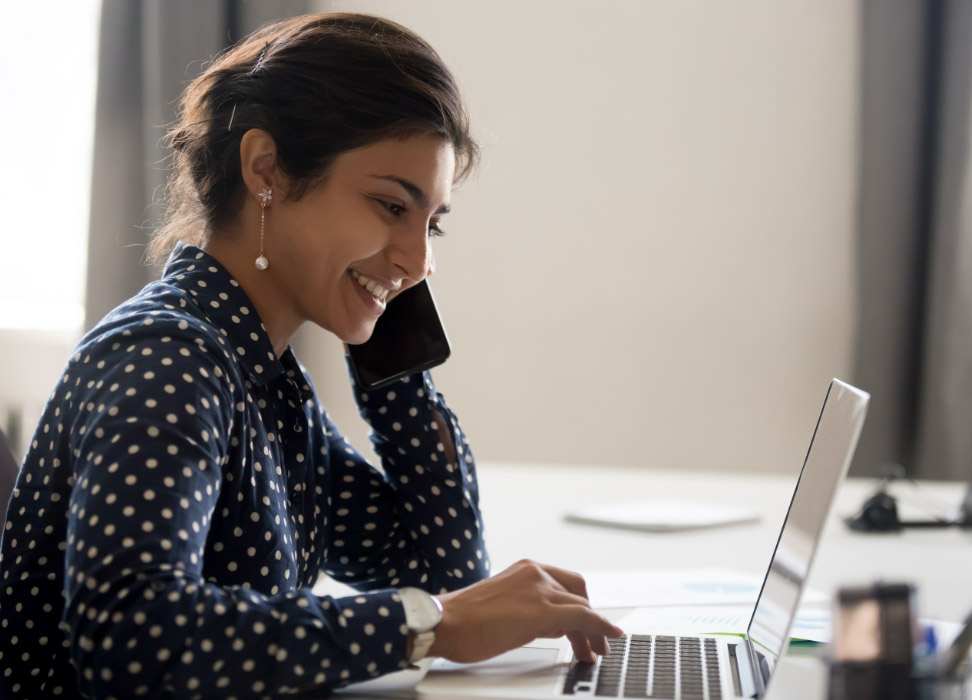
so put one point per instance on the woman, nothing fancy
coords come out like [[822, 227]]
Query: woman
[[185, 487]]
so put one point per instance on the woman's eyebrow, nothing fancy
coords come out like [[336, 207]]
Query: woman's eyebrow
[[415, 192]]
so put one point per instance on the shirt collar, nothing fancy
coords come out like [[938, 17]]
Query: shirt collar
[[223, 301]]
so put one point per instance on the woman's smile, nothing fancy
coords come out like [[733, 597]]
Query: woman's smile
[[376, 289], [371, 293]]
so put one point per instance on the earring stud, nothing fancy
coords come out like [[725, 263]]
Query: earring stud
[[266, 195]]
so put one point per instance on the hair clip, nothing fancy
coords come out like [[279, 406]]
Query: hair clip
[[232, 116], [260, 57]]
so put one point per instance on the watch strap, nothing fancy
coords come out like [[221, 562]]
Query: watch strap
[[422, 613], [421, 643]]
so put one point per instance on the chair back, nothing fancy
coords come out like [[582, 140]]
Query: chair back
[[9, 467]]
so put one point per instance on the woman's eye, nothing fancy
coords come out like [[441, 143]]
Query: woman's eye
[[397, 210], [393, 208]]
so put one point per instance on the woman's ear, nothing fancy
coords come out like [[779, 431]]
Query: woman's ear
[[258, 162]]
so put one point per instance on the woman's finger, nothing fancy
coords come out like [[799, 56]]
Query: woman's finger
[[567, 615], [582, 647], [570, 580], [559, 596], [581, 618], [599, 645]]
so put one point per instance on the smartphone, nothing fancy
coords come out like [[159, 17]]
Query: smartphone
[[408, 338]]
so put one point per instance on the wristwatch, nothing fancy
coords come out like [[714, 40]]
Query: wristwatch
[[422, 613]]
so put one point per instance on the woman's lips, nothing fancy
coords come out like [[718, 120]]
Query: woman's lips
[[378, 291], [374, 303]]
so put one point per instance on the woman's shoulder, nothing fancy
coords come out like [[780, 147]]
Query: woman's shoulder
[[161, 322]]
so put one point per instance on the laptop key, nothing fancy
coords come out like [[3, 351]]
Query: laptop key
[[580, 673], [690, 668], [667, 667], [713, 676]]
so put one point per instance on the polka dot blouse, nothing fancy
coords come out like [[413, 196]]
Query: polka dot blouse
[[185, 489]]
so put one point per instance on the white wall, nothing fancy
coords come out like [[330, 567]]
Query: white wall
[[655, 263]]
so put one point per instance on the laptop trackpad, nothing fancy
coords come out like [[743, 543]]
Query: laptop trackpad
[[518, 661]]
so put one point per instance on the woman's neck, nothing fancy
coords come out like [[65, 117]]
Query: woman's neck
[[270, 302]]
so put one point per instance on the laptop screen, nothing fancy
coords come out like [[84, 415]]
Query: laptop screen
[[831, 449]]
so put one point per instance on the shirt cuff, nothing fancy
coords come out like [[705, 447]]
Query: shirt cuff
[[404, 401], [374, 625]]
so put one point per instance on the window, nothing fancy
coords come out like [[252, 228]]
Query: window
[[49, 71]]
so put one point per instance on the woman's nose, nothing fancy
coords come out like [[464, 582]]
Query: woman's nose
[[413, 256]]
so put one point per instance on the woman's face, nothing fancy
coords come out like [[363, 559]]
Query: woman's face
[[372, 222]]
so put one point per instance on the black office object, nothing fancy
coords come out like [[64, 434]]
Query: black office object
[[875, 655], [879, 513]]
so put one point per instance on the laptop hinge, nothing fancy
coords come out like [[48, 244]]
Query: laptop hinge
[[750, 670]]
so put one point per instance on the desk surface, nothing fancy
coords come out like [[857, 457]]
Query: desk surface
[[524, 505]]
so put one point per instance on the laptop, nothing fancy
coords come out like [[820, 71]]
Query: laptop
[[646, 664]]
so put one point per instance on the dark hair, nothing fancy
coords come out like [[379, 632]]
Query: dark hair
[[320, 85]]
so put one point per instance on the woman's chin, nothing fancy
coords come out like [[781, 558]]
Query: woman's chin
[[359, 335]]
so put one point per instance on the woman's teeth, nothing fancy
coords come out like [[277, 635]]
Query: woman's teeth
[[377, 291]]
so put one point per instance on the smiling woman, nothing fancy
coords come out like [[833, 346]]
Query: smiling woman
[[184, 479], [357, 225], [293, 81]]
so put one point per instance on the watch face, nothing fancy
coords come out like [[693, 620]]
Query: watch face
[[422, 611]]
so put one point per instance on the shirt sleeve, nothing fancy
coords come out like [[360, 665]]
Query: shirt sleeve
[[417, 522], [152, 438]]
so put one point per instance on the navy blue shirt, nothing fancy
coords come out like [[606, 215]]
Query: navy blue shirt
[[185, 489]]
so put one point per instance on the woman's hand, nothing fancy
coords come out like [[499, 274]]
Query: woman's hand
[[514, 607]]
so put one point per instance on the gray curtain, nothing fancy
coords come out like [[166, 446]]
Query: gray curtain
[[149, 50], [914, 349]]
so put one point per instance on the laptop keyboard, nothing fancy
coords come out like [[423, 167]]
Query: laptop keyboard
[[649, 666]]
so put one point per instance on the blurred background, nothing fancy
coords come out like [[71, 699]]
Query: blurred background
[[688, 218]]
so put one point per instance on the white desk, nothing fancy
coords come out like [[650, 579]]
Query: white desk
[[523, 507]]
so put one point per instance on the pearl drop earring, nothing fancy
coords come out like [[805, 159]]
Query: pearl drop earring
[[265, 196]]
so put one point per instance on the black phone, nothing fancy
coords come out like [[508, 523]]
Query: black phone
[[408, 338]]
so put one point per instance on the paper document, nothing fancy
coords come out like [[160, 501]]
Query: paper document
[[662, 515], [811, 624], [698, 586]]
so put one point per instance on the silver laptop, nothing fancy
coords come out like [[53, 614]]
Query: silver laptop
[[643, 664]]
